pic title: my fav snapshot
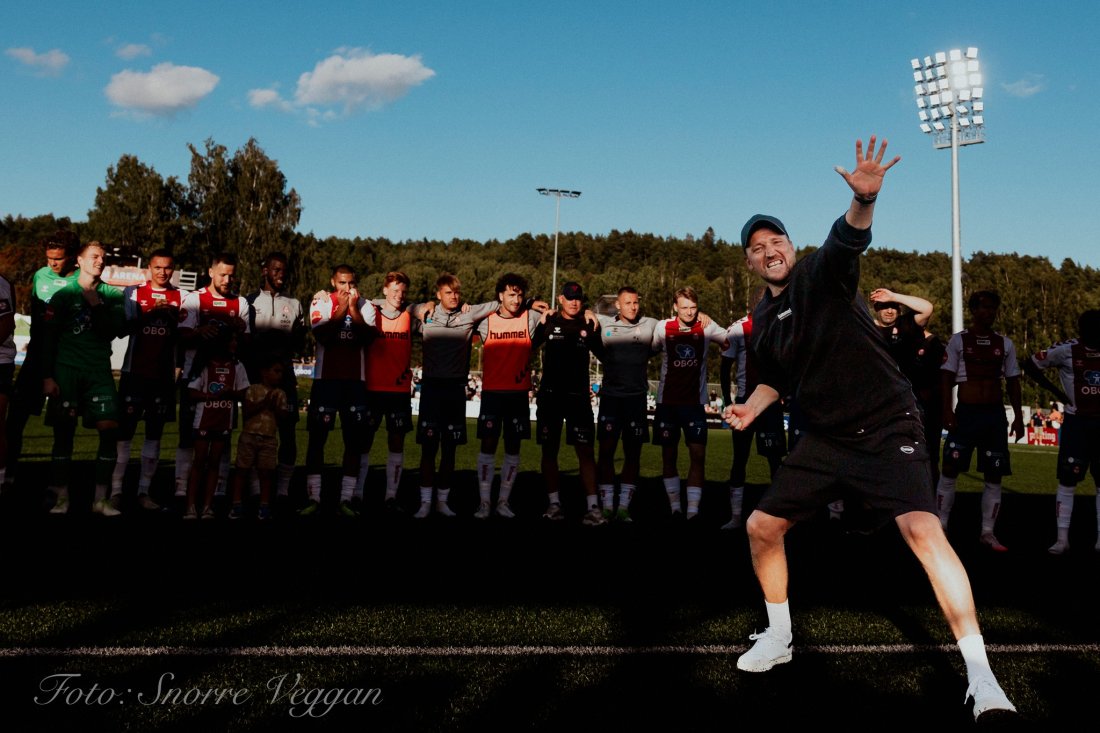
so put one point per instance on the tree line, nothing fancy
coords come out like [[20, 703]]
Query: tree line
[[241, 203]]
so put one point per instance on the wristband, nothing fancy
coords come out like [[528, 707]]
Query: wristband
[[866, 201]]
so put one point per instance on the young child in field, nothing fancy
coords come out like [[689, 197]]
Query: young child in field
[[265, 407], [216, 390]]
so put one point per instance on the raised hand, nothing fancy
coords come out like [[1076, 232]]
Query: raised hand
[[866, 180]]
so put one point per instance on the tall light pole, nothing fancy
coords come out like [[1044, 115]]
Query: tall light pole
[[557, 193], [951, 109]]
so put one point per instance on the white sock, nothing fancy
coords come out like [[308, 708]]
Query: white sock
[[184, 456], [283, 474], [122, 463], [991, 506], [973, 651], [150, 459], [553, 498], [223, 472], [779, 618], [509, 469], [395, 462], [441, 497], [945, 498], [593, 502], [694, 494], [313, 486], [672, 488], [254, 481], [737, 497], [425, 494], [607, 496], [486, 468], [347, 487], [1063, 511], [626, 493]]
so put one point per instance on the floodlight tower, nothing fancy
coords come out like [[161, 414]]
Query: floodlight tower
[[951, 110], [557, 193]]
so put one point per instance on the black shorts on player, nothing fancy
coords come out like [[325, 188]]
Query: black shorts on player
[[504, 412], [623, 417], [442, 412], [329, 398], [669, 420], [394, 408], [574, 411]]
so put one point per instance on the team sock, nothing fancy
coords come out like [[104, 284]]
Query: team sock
[[694, 495], [779, 619], [123, 461], [626, 493], [395, 463], [150, 459], [486, 467], [991, 506], [672, 488], [945, 498], [509, 469]]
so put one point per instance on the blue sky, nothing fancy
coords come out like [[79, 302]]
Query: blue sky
[[440, 119]]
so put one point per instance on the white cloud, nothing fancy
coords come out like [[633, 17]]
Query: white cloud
[[355, 78], [49, 63], [164, 90], [133, 50], [1030, 85], [260, 98]]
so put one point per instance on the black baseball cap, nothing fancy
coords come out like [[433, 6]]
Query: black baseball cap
[[572, 291], [761, 220]]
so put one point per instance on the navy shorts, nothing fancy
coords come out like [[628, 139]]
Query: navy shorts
[[669, 420], [442, 412], [1078, 449], [984, 427], [331, 397], [504, 412], [575, 411], [393, 407], [625, 417]]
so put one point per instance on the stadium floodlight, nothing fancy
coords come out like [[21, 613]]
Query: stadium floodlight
[[957, 119], [557, 193]]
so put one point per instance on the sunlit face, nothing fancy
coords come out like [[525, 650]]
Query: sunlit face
[[771, 256], [511, 300], [570, 308], [629, 304], [344, 282], [394, 293], [56, 260], [222, 276], [91, 261], [274, 274], [686, 310], [449, 297], [160, 271]]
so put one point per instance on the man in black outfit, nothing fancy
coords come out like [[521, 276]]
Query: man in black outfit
[[862, 426]]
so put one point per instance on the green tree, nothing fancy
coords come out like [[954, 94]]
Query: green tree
[[137, 209]]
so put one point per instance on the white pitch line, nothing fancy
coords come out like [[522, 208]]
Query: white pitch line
[[513, 651]]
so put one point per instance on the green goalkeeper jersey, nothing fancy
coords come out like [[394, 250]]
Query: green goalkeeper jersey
[[79, 336]]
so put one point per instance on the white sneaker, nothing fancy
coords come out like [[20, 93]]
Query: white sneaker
[[554, 513], [424, 510], [768, 651], [103, 506], [482, 511], [733, 523], [987, 695], [594, 518], [503, 510], [1058, 548], [443, 510], [191, 513], [62, 505]]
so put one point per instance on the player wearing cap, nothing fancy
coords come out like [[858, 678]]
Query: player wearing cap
[[682, 397], [627, 346], [568, 337], [146, 386], [342, 323], [506, 336], [863, 428], [978, 358], [1078, 363]]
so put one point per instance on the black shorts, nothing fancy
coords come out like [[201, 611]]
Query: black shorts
[[211, 436], [142, 398], [504, 412], [624, 417], [887, 468], [669, 420], [574, 410], [331, 397], [1078, 449], [26, 392], [771, 438], [442, 412], [7, 372], [984, 427], [393, 407]]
